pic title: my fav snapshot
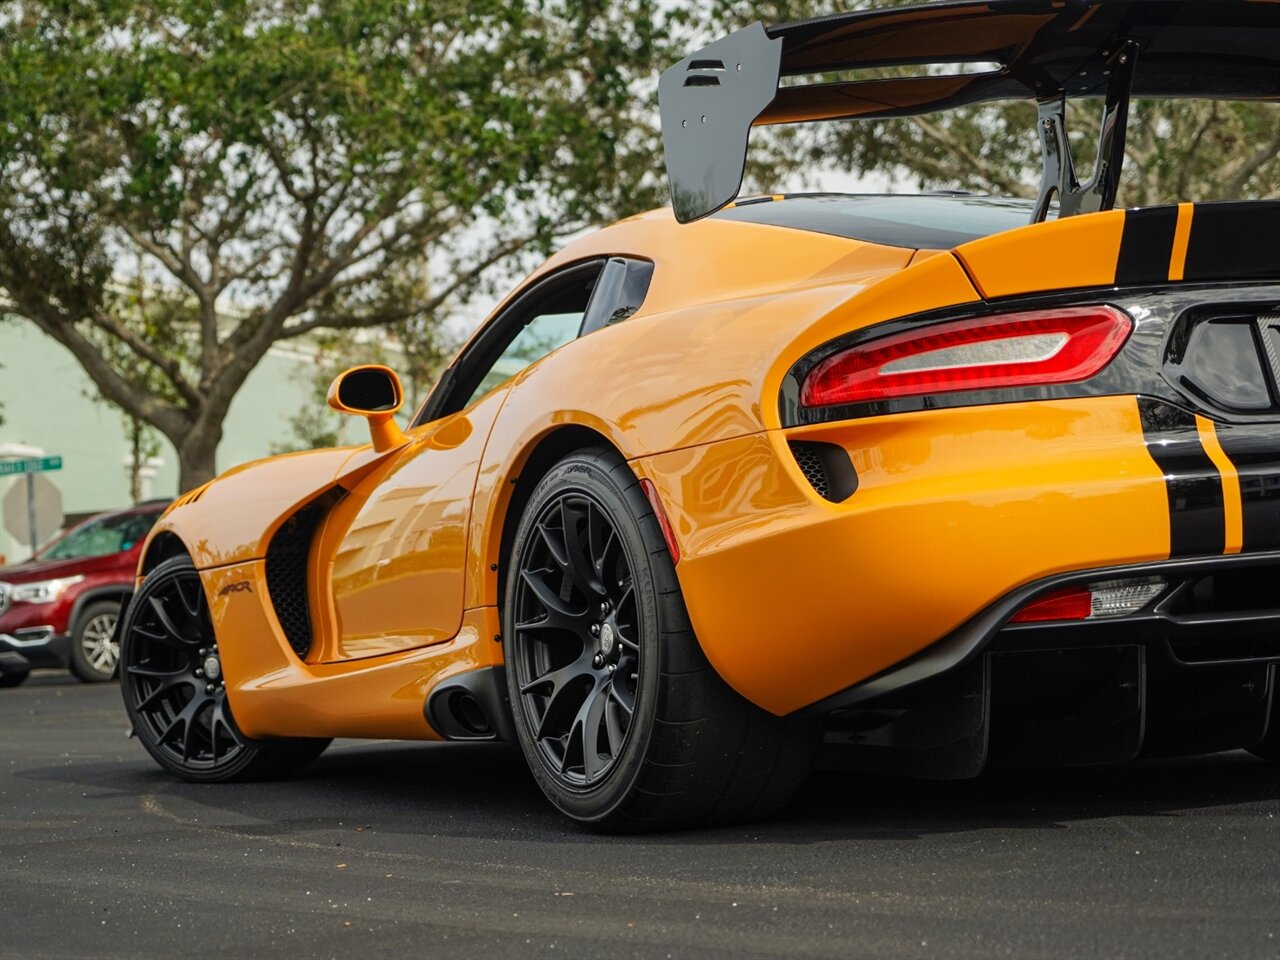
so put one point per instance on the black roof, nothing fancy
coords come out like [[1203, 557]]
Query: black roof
[[1042, 49]]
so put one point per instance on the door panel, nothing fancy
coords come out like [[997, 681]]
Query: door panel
[[394, 549]]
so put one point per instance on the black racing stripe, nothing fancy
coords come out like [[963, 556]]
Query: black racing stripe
[[1254, 449], [1146, 245], [1234, 241], [1197, 524]]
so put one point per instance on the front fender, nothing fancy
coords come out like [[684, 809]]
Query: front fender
[[232, 518]]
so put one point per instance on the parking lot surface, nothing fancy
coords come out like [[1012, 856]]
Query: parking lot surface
[[450, 851]]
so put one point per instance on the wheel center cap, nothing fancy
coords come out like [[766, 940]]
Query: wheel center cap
[[212, 668], [606, 638]]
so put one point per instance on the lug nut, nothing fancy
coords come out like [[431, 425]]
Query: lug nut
[[613, 667], [604, 609], [202, 651], [597, 660], [199, 672], [595, 629], [209, 688]]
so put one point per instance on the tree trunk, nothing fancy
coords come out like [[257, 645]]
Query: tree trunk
[[136, 458], [197, 457]]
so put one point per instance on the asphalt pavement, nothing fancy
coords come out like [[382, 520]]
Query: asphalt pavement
[[438, 850]]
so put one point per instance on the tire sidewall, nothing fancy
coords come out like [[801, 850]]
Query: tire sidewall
[[591, 475]]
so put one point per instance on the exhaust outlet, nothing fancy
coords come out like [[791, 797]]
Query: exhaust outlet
[[472, 706]]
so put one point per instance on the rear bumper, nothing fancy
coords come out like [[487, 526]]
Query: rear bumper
[[797, 599], [1195, 671]]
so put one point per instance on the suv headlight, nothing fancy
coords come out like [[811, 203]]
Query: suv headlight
[[42, 591]]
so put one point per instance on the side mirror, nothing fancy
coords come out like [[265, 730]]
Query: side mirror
[[374, 393]]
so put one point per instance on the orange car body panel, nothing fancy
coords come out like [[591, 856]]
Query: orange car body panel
[[1001, 495], [404, 576]]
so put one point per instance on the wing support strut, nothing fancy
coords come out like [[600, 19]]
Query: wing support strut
[[1058, 178]]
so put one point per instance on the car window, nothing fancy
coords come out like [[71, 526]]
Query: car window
[[97, 538], [544, 333], [573, 302]]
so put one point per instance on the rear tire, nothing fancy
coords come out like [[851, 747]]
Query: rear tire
[[624, 723], [95, 655], [175, 694]]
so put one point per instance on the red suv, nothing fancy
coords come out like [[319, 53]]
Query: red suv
[[59, 609]]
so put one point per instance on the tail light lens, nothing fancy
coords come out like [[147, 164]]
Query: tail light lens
[[982, 353], [1095, 601]]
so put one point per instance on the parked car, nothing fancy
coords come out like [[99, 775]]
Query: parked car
[[59, 609], [937, 482]]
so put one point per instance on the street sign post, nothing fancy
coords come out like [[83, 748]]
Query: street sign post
[[30, 467]]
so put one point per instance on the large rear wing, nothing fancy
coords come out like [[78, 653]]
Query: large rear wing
[[1044, 50]]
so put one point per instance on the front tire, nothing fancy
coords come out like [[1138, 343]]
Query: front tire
[[174, 691], [623, 721], [95, 655]]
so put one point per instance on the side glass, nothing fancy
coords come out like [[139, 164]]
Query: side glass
[[541, 335]]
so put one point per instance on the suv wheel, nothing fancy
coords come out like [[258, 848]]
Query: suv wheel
[[95, 654]]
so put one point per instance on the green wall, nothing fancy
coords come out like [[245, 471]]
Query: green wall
[[46, 403]]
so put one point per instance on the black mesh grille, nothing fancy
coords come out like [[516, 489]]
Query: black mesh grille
[[287, 575], [827, 467], [810, 460]]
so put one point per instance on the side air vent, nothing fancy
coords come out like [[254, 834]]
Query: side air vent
[[191, 496], [1230, 360], [827, 467], [287, 574]]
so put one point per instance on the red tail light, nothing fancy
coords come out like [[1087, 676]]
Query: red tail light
[[1074, 603], [1094, 601], [983, 353]]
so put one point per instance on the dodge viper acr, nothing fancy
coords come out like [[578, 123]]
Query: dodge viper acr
[[935, 481]]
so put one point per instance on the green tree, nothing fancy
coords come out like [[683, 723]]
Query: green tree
[[1176, 149], [416, 356], [287, 167]]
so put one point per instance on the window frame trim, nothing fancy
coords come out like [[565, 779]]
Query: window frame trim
[[486, 347]]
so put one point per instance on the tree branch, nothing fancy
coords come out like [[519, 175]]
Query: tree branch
[[167, 365], [993, 175], [166, 417]]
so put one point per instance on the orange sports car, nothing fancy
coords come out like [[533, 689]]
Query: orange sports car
[[932, 482]]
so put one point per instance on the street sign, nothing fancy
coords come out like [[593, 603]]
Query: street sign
[[35, 465], [37, 507]]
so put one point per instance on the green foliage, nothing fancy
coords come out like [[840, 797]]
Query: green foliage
[[416, 359], [284, 168], [1177, 150], [184, 183]]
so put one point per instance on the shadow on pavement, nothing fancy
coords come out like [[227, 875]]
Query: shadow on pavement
[[484, 790]]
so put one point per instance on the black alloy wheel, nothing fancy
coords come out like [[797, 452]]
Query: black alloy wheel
[[577, 653], [174, 688], [623, 722]]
